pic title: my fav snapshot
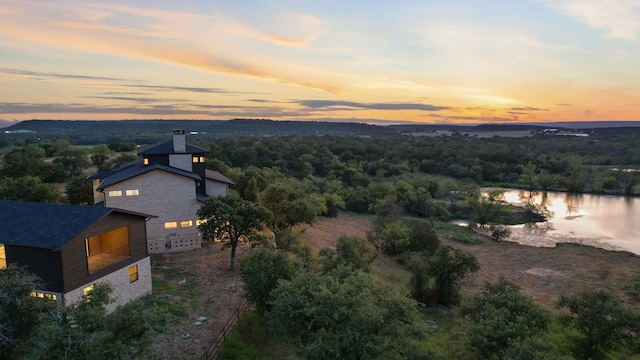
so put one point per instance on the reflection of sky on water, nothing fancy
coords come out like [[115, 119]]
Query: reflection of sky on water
[[611, 222]]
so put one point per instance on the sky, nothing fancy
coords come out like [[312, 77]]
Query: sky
[[375, 61]]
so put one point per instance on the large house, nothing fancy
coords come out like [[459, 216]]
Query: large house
[[71, 248], [169, 181]]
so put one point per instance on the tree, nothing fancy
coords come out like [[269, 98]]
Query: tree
[[72, 160], [231, 220], [487, 209], [501, 318], [528, 177], [291, 204], [260, 272], [344, 314], [28, 188], [36, 328], [350, 250], [392, 237], [437, 278], [100, 154], [119, 160], [603, 323], [19, 311], [79, 190], [28, 160]]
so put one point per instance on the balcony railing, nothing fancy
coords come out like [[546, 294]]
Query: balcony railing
[[106, 258]]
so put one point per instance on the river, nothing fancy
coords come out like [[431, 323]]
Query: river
[[609, 222]]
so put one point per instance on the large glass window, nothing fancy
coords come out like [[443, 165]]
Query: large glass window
[[113, 193], [107, 248], [3, 257], [133, 192]]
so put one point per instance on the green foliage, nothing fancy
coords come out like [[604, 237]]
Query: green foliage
[[350, 251], [72, 160], [436, 278], [260, 272], [28, 188], [34, 328], [489, 208], [505, 323], [395, 237], [79, 190], [392, 237], [20, 313], [121, 159], [423, 237], [334, 204], [345, 315], [231, 220], [604, 323], [288, 240], [251, 340], [100, 154], [291, 202], [633, 287], [499, 232]]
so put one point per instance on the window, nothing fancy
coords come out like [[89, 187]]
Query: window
[[3, 257], [113, 193], [133, 273], [201, 159], [44, 295], [186, 223], [132, 192], [198, 222], [107, 248], [145, 161], [170, 225], [195, 159]]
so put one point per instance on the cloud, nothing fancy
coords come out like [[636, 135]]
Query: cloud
[[528, 108], [343, 105], [134, 99], [215, 43], [619, 18], [473, 119], [28, 73]]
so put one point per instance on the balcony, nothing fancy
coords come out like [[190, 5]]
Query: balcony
[[98, 261]]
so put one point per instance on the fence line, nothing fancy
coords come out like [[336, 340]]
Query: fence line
[[212, 351]]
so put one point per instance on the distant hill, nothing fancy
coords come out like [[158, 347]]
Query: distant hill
[[6, 123], [148, 131]]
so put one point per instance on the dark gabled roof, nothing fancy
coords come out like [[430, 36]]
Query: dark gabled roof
[[106, 174], [45, 225], [166, 147], [214, 175], [138, 168]]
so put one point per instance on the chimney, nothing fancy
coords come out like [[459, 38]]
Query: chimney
[[179, 142]]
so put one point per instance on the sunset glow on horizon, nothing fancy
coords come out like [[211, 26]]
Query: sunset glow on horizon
[[377, 62]]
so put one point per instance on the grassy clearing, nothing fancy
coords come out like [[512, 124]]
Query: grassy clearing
[[251, 341]]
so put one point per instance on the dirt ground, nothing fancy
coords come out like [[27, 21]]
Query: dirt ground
[[542, 273], [220, 295]]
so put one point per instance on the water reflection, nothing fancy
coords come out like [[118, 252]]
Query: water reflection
[[610, 222]]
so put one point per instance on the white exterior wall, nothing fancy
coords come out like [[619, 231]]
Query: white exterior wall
[[181, 161], [123, 290], [216, 188], [170, 197]]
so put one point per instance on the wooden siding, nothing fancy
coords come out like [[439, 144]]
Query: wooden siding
[[44, 263], [74, 257]]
